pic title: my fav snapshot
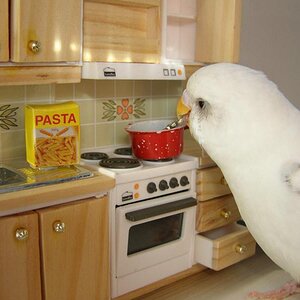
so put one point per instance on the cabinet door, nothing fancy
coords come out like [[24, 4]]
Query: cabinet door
[[19, 258], [75, 257], [46, 31], [122, 31], [218, 30], [4, 30]]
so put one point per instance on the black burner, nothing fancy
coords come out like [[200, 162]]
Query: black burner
[[120, 163], [127, 151], [94, 155], [160, 160]]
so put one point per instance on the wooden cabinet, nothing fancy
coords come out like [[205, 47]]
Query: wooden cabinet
[[44, 41], [73, 255], [20, 258], [4, 46], [45, 31], [201, 31], [220, 242], [185, 31], [122, 31]]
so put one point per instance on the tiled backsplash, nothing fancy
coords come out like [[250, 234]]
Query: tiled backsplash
[[106, 107]]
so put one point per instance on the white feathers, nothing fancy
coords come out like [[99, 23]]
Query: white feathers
[[252, 132]]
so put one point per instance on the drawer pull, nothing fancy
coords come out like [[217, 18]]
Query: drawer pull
[[226, 214], [59, 226], [241, 249], [22, 234]]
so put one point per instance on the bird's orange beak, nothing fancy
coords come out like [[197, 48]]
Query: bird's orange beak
[[182, 109]]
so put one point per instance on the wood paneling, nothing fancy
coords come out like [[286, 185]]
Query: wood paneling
[[216, 213], [55, 24], [18, 75], [76, 261], [4, 44], [46, 195], [218, 30], [121, 31], [211, 183], [19, 259]]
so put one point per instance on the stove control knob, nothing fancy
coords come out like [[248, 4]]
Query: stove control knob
[[163, 185], [173, 182], [184, 181], [151, 187]]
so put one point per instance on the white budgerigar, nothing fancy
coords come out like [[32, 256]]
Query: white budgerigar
[[251, 130]]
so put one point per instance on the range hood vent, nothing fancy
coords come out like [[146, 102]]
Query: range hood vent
[[134, 71]]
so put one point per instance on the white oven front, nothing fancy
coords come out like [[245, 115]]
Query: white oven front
[[154, 232]]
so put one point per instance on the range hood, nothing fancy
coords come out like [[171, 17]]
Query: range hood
[[134, 71]]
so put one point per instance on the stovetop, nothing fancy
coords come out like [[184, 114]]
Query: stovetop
[[144, 169]]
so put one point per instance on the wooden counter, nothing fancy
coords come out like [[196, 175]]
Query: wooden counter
[[20, 201]]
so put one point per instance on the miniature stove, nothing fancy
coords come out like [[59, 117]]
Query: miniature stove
[[152, 217]]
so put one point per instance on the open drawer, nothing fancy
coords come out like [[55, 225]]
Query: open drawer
[[222, 247]]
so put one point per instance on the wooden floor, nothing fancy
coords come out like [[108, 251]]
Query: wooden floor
[[233, 283]]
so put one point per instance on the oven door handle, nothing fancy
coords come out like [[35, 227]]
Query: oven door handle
[[154, 211]]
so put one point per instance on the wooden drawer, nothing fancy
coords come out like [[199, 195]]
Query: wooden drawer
[[216, 213], [222, 247], [211, 184]]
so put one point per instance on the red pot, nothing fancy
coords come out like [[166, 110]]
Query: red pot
[[150, 142]]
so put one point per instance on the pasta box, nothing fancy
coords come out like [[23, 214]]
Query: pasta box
[[52, 133]]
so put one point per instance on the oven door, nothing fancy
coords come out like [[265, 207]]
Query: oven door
[[149, 233]]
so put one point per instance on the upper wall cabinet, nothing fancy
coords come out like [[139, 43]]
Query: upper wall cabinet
[[201, 31], [45, 31], [122, 30], [218, 30], [44, 39], [4, 48]]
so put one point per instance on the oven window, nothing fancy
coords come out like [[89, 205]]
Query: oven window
[[150, 234]]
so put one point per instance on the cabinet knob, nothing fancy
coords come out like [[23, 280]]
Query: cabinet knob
[[22, 234], [226, 214], [241, 249], [59, 226], [34, 46]]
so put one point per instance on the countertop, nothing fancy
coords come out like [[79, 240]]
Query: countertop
[[38, 197]]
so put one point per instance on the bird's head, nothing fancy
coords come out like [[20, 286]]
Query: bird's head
[[227, 104]]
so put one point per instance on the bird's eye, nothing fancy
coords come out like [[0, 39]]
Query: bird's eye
[[201, 103]]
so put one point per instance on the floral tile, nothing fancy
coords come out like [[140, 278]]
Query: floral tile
[[8, 116], [121, 109]]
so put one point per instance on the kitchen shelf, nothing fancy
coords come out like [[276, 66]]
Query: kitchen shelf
[[179, 21]]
